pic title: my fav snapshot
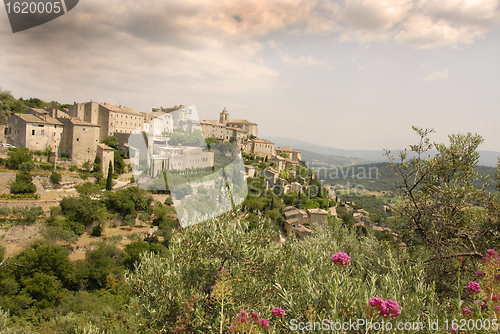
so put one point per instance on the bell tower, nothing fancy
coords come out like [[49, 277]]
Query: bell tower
[[224, 116]]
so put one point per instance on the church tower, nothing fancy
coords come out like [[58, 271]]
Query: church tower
[[224, 116]]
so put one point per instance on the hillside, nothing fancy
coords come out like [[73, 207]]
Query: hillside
[[377, 176], [330, 155]]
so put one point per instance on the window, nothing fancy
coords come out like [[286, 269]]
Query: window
[[32, 132], [42, 132], [77, 139], [54, 134], [61, 134]]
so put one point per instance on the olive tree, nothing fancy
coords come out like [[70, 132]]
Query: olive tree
[[443, 212]]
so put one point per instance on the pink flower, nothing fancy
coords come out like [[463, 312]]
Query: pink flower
[[243, 319], [232, 327], [474, 287], [461, 259], [479, 274], [467, 312], [497, 308], [263, 323], [386, 308], [340, 258], [376, 301], [254, 315], [492, 253], [478, 302], [243, 313], [278, 312], [495, 298]]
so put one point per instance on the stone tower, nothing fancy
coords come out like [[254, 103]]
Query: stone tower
[[224, 116]]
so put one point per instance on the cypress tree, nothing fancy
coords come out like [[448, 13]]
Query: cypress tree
[[109, 180]]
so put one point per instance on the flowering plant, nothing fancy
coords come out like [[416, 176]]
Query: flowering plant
[[341, 258], [386, 308]]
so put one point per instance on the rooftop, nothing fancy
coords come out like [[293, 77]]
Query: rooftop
[[240, 121], [30, 118], [121, 109]]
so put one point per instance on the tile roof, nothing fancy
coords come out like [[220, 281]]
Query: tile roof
[[30, 118], [78, 121], [240, 121], [104, 146], [121, 109], [317, 211]]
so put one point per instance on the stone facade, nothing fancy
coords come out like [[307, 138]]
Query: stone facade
[[35, 132], [80, 140], [293, 154], [260, 147], [298, 221], [112, 119], [107, 155]]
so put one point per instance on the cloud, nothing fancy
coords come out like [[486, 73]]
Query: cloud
[[367, 20], [449, 23], [309, 60], [443, 74]]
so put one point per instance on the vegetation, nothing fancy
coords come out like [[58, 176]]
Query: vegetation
[[23, 184], [209, 276]]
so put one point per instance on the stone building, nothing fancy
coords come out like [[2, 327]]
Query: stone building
[[181, 158], [112, 119], [292, 154], [297, 221], [35, 132], [158, 122], [260, 147], [80, 140], [183, 117], [107, 155]]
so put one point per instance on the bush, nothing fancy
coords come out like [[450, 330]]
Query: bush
[[20, 196], [97, 230], [46, 165], [73, 168], [23, 184], [27, 166], [17, 156], [56, 177]]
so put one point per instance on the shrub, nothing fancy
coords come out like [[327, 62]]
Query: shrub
[[46, 165], [17, 156], [56, 177], [20, 196], [27, 166], [23, 184], [97, 230], [73, 168]]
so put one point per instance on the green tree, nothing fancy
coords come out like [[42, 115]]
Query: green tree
[[111, 141], [109, 179], [56, 177], [17, 156], [119, 162], [441, 210], [23, 184]]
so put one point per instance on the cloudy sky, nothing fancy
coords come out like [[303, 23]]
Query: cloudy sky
[[353, 74]]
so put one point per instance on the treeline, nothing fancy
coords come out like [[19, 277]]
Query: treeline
[[10, 105]]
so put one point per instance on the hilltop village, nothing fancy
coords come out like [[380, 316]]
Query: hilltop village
[[77, 133]]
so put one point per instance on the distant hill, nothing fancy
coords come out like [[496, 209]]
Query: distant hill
[[330, 155], [377, 176], [313, 159]]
